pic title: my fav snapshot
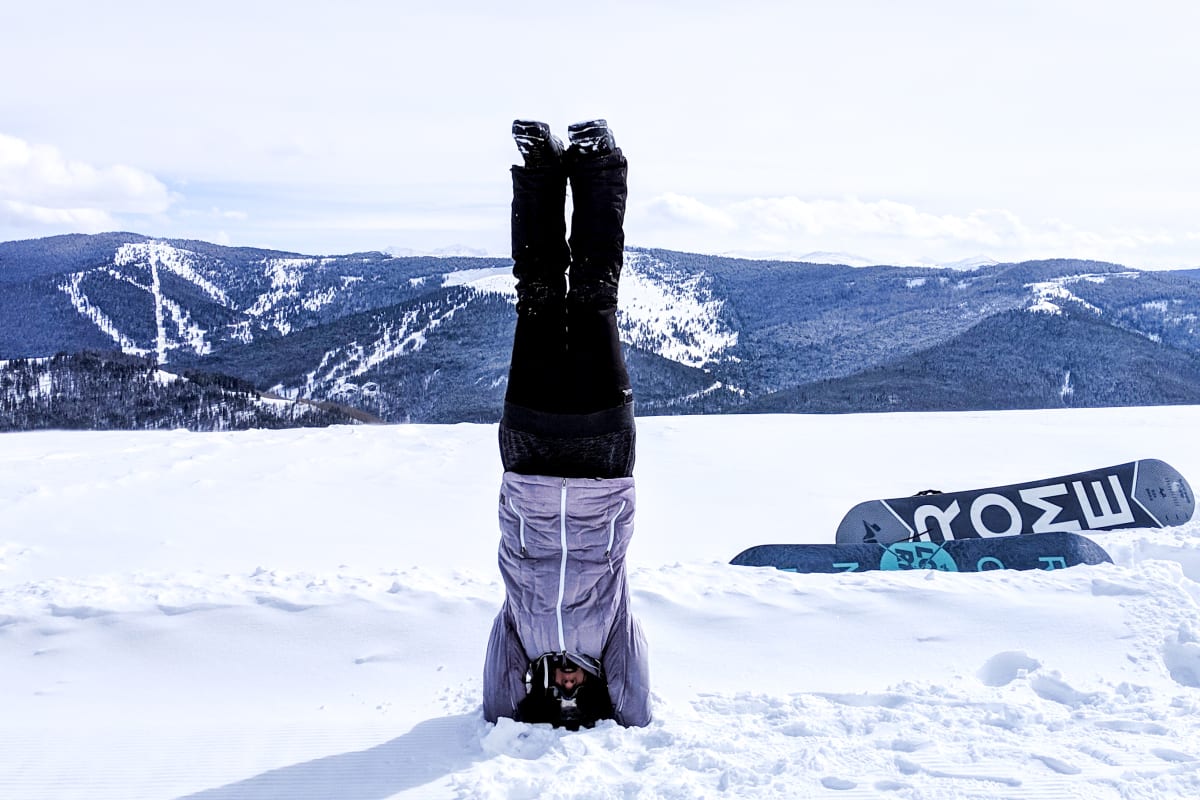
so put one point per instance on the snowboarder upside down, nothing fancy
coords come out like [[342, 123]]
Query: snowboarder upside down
[[565, 648]]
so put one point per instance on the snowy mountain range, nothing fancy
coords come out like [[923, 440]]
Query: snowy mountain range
[[427, 338]]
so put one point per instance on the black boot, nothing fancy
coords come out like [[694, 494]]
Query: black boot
[[591, 138], [539, 228], [598, 173], [538, 146]]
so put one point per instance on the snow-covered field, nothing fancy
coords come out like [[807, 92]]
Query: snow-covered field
[[302, 614]]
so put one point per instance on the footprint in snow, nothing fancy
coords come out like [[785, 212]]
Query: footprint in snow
[[280, 604], [1051, 688], [891, 786], [837, 783], [1058, 765], [1132, 726]]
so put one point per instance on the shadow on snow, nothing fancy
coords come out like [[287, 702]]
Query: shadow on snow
[[430, 751]]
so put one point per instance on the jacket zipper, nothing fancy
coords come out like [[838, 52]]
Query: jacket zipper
[[521, 527], [612, 535], [562, 566]]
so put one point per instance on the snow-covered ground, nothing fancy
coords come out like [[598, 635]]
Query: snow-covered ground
[[302, 614]]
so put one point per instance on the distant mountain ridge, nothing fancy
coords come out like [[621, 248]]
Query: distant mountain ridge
[[426, 339], [115, 391]]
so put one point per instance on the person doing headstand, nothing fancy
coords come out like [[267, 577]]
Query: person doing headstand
[[565, 648]]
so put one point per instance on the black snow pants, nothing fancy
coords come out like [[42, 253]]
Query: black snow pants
[[568, 409]]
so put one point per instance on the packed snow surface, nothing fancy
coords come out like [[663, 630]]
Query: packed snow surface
[[303, 614]]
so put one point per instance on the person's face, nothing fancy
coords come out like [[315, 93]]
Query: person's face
[[569, 678]]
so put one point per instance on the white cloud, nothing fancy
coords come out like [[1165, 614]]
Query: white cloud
[[677, 208], [85, 220], [875, 218], [39, 185], [893, 231]]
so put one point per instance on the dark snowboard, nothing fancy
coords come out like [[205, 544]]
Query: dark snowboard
[[1141, 494], [1045, 551]]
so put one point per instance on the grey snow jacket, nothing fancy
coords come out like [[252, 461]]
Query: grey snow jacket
[[562, 557]]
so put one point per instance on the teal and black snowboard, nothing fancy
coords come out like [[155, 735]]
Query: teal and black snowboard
[[1037, 551], [1141, 494]]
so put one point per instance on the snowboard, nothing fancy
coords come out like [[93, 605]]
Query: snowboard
[[1046, 551], [1141, 494]]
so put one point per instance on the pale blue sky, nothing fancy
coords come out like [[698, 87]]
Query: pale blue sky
[[926, 131]]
